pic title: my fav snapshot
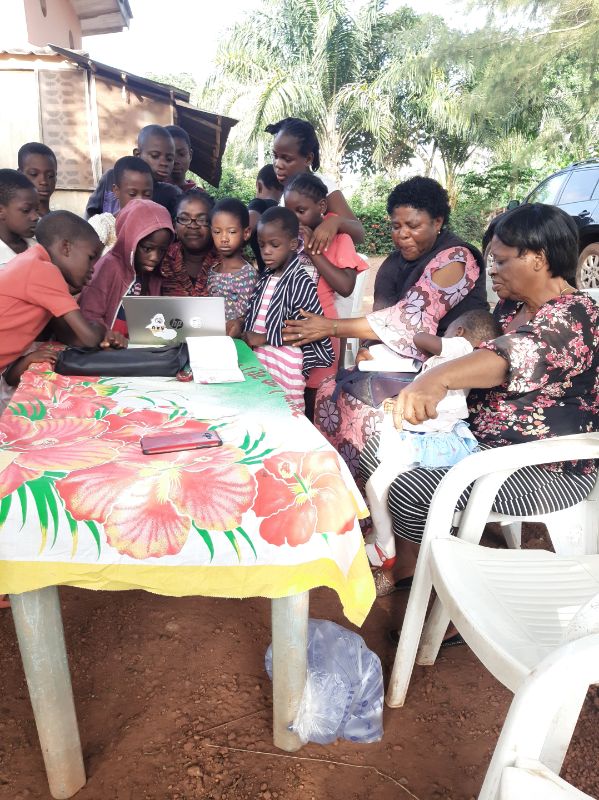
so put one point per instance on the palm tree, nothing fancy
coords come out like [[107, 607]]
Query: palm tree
[[308, 59]]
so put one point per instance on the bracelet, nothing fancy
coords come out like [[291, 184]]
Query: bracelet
[[335, 328]]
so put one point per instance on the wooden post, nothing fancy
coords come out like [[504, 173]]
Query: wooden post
[[40, 633], [289, 665]]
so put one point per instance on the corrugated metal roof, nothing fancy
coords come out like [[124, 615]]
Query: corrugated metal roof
[[120, 75], [27, 50], [208, 133]]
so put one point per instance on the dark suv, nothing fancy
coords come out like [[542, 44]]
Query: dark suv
[[576, 190]]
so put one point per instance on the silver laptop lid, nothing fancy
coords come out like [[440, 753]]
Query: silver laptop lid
[[170, 320]]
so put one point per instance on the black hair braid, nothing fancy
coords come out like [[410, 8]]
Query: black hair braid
[[304, 132]]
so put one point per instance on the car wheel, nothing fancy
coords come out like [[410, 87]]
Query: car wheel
[[587, 272]]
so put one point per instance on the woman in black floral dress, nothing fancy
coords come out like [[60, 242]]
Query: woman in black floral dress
[[540, 379]]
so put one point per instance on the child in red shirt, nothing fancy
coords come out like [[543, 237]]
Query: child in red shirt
[[335, 270], [39, 284]]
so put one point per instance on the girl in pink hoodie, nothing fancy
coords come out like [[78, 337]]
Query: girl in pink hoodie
[[144, 231]]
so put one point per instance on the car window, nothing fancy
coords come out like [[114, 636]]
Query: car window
[[548, 191], [580, 186]]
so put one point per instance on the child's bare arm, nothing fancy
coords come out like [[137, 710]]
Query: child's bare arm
[[428, 343], [46, 353], [73, 329], [341, 281]]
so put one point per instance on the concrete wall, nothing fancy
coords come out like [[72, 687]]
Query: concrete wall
[[59, 25]]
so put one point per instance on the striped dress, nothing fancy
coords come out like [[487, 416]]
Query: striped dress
[[284, 363]]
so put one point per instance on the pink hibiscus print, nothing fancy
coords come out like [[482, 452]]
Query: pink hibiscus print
[[300, 494], [28, 449], [147, 503]]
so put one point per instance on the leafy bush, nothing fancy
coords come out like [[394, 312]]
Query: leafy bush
[[484, 194], [373, 217], [235, 182]]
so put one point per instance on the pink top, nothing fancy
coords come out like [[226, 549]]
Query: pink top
[[341, 253], [424, 304]]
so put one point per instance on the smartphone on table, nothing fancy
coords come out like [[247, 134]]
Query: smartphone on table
[[173, 442]]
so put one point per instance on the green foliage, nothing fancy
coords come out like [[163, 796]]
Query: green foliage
[[235, 182], [373, 215], [483, 195], [309, 59], [386, 90], [182, 80]]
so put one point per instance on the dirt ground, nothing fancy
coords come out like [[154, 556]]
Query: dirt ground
[[174, 704]]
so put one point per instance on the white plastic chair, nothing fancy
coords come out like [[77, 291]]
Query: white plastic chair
[[488, 470], [516, 610], [351, 306], [519, 768], [531, 780]]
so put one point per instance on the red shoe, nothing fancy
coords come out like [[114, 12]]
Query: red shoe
[[387, 562]]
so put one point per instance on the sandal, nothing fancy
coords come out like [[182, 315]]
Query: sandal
[[383, 583]]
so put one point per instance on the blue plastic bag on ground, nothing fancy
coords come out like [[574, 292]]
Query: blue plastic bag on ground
[[343, 697]]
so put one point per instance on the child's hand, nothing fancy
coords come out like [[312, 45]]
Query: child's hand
[[323, 235], [45, 354], [253, 339], [234, 327], [363, 354], [306, 235], [114, 339]]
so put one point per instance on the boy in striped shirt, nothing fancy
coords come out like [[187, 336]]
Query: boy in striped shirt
[[282, 292]]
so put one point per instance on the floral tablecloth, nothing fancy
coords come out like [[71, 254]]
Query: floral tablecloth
[[273, 512]]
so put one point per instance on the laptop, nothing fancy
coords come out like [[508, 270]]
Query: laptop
[[154, 321]]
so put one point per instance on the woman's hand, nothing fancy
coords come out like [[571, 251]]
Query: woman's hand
[[311, 328], [322, 235], [114, 339], [418, 401], [363, 354]]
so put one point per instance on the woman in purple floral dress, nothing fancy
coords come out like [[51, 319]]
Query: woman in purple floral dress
[[428, 281], [539, 379]]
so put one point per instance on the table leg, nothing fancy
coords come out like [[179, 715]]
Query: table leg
[[40, 633], [289, 665]]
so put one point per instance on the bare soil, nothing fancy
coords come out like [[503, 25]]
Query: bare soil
[[174, 704]]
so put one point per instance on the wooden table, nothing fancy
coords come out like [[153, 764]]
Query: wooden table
[[273, 513]]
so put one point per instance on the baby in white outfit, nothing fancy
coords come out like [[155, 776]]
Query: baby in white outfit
[[438, 442]]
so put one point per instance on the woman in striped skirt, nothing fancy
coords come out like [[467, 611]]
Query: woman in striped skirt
[[539, 379]]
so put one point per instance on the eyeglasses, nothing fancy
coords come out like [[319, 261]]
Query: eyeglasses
[[187, 221]]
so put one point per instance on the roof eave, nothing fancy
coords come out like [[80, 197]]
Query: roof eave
[[101, 18]]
